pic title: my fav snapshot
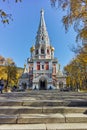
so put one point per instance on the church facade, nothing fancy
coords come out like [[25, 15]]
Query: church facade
[[43, 70]]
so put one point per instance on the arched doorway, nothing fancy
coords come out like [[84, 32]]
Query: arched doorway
[[24, 85], [42, 84]]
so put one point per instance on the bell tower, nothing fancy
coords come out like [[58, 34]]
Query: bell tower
[[43, 48], [42, 34]]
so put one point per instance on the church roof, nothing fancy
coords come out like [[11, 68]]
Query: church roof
[[42, 34]]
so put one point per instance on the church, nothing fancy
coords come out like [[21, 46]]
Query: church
[[42, 71]]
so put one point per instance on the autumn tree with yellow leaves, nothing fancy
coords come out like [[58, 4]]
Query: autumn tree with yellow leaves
[[76, 15], [9, 71], [76, 70]]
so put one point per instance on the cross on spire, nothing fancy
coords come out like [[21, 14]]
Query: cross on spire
[[42, 12]]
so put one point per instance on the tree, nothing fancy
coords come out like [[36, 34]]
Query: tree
[[11, 71], [2, 60], [76, 15], [5, 17], [76, 70], [2, 72]]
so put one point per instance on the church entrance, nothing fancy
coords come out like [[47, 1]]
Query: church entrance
[[24, 86], [60, 84], [42, 84]]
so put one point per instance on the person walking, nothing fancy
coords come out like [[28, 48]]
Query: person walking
[[1, 86]]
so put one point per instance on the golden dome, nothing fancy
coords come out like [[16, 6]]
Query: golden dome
[[24, 65], [52, 48], [32, 48]]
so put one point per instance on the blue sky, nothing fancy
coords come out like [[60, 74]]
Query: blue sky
[[17, 37]]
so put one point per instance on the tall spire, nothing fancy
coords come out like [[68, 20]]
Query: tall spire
[[42, 34]]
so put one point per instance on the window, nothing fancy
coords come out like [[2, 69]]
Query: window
[[42, 51], [36, 52], [38, 65], [42, 38], [47, 65], [42, 66], [54, 68], [32, 69], [48, 51], [50, 75]]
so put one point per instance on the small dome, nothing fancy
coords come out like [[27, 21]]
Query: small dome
[[24, 65], [32, 48], [52, 48]]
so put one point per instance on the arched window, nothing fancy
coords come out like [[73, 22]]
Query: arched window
[[36, 52], [42, 67], [42, 51], [48, 51], [42, 38], [46, 65], [38, 65], [54, 68]]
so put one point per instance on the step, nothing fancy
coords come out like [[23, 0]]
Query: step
[[31, 110], [46, 103], [43, 118], [40, 118], [37, 103], [63, 109], [75, 118], [8, 119], [58, 126], [31, 118], [71, 103], [52, 118], [10, 103], [20, 110], [23, 127], [67, 126], [45, 96], [53, 94]]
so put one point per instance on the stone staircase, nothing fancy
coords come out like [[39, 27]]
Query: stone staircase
[[43, 110]]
